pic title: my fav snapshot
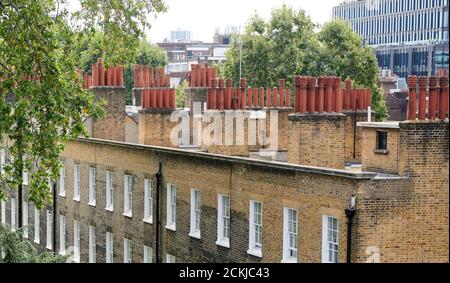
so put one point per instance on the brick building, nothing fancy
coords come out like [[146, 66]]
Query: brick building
[[155, 201]]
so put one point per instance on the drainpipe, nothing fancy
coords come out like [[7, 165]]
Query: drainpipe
[[350, 214], [158, 220], [54, 216]]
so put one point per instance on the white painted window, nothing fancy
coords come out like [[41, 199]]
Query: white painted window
[[290, 235], [195, 213], [76, 182], [2, 160], [62, 181], [62, 235], [170, 258], [25, 177], [148, 201], [25, 219], [171, 215], [148, 254], [76, 241], [49, 229], [109, 191], [127, 197], [92, 245], [13, 214], [37, 222], [223, 221], [255, 229], [3, 211], [127, 251], [109, 247], [92, 186], [330, 239]]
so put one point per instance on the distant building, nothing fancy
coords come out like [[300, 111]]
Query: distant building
[[180, 36], [410, 36]]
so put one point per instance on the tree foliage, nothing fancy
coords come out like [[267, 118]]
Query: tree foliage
[[41, 103], [15, 250], [289, 44]]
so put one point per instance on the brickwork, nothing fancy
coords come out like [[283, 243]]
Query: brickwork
[[112, 125], [353, 134], [155, 127], [379, 161], [317, 139]]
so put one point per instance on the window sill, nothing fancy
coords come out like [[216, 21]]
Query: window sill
[[129, 215], [63, 253], [289, 260], [381, 151], [110, 209], [37, 241], [171, 227], [195, 235], [48, 248], [148, 220], [62, 195], [255, 252], [223, 243], [76, 199], [92, 203]]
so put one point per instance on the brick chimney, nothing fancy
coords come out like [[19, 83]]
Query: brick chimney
[[107, 84]]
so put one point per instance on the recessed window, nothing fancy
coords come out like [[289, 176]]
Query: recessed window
[[76, 241], [223, 221], [255, 229], [148, 201], [37, 222], [109, 191], [62, 235], [92, 186], [171, 214], [76, 182], [381, 140], [25, 219], [148, 254], [62, 181], [109, 247], [128, 188], [49, 215], [127, 251], [290, 235], [330, 239], [13, 214], [195, 213], [381, 143]]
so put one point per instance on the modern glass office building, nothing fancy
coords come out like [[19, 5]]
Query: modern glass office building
[[409, 36]]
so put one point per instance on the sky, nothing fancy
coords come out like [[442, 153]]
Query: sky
[[202, 17]]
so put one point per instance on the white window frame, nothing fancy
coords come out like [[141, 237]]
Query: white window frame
[[92, 244], [128, 196], [223, 215], [148, 254], [171, 211], [37, 223], [92, 186], [76, 241], [62, 234], [109, 191], [13, 214], [327, 239], [170, 258], [3, 211], [287, 234], [25, 219], [76, 182], [196, 211], [62, 181], [127, 251], [255, 229], [148, 201], [109, 247], [49, 228]]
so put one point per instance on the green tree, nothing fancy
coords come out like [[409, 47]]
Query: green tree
[[346, 57], [41, 104], [180, 94], [288, 45], [15, 250], [121, 23]]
